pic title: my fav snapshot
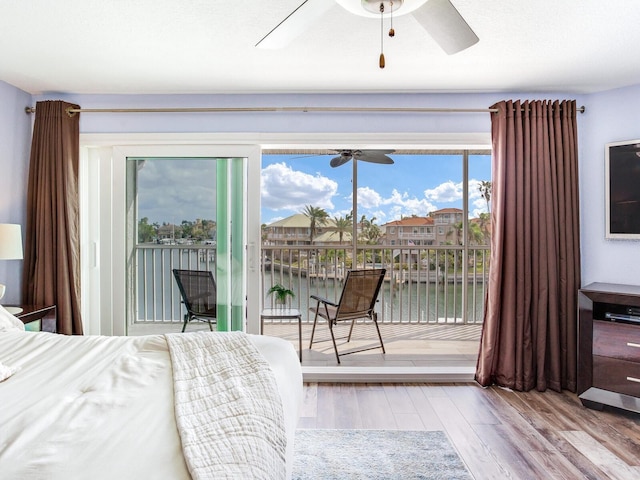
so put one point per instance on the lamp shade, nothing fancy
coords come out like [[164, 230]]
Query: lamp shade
[[10, 241]]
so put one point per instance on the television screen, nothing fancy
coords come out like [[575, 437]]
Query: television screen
[[623, 189]]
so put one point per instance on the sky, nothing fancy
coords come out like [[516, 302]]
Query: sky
[[413, 185], [172, 190]]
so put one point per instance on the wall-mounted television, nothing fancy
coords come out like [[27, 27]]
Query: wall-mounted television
[[622, 189]]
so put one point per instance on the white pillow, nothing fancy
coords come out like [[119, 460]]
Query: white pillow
[[9, 322]]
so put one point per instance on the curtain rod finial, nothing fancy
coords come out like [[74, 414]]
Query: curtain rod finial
[[29, 110]]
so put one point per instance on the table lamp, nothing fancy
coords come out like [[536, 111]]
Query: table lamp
[[10, 249]]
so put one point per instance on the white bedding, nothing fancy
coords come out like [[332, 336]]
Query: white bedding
[[102, 407]]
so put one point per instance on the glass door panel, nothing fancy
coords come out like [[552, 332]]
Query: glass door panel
[[184, 213]]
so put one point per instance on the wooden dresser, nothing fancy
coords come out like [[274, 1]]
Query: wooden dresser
[[609, 346]]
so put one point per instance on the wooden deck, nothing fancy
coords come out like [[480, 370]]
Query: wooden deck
[[405, 345]]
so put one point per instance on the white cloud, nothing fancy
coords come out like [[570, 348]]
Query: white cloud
[[368, 197], [172, 190], [401, 204], [445, 192], [478, 206], [284, 188]]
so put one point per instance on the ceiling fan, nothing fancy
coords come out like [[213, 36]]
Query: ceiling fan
[[438, 17], [373, 156]]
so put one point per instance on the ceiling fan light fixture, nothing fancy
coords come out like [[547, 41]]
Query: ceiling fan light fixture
[[374, 6]]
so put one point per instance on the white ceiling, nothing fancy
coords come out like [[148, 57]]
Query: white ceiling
[[207, 46]]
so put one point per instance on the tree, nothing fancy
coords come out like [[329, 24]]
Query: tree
[[369, 231], [187, 229], [457, 229], [146, 232], [343, 224], [317, 217], [483, 223], [485, 188], [475, 233]]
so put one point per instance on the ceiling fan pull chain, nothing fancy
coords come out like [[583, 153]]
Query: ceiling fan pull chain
[[392, 32], [381, 35]]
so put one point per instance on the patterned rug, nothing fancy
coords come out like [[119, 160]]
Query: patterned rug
[[376, 455]]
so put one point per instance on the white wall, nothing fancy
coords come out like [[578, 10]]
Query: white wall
[[611, 116], [15, 142]]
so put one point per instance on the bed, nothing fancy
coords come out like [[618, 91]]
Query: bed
[[180, 406]]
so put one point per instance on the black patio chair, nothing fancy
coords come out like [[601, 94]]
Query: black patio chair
[[358, 297], [198, 291]]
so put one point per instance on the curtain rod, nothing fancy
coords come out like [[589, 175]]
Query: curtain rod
[[72, 111]]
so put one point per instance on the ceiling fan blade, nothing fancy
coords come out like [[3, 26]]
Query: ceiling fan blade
[[444, 23], [373, 156], [341, 160], [295, 23]]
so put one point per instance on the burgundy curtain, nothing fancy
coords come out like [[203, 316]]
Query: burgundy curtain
[[52, 242], [530, 323]]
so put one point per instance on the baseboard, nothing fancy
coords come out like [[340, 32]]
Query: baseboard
[[337, 374]]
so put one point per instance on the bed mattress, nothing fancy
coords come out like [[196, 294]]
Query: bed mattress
[[103, 407]]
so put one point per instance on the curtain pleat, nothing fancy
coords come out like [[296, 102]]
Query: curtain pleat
[[530, 322], [52, 240]]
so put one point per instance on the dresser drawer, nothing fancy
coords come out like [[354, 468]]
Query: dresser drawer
[[616, 375], [618, 340]]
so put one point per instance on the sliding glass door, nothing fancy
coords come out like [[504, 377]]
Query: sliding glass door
[[175, 207]]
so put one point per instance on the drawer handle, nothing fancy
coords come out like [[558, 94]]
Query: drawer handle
[[631, 344], [633, 379]]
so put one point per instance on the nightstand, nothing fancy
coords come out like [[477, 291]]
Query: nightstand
[[45, 315]]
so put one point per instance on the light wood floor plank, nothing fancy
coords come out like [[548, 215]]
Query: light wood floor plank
[[428, 416], [377, 409], [600, 456], [472, 404], [347, 407], [408, 421], [399, 398], [556, 466], [477, 456]]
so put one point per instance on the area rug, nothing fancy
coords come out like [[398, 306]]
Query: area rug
[[376, 455]]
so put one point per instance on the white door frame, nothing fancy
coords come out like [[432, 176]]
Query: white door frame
[[103, 189]]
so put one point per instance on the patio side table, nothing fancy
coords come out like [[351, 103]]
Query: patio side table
[[284, 314]]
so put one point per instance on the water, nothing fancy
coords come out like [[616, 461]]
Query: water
[[399, 303]]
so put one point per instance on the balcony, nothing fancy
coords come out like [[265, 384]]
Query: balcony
[[430, 307]]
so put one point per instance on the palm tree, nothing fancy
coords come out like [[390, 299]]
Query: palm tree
[[343, 224], [484, 220], [370, 232], [475, 233], [317, 217], [485, 191], [457, 229]]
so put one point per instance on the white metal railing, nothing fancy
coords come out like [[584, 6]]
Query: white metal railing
[[423, 284], [154, 296], [429, 284]]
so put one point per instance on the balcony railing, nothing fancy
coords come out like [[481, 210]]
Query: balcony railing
[[422, 285], [434, 284]]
